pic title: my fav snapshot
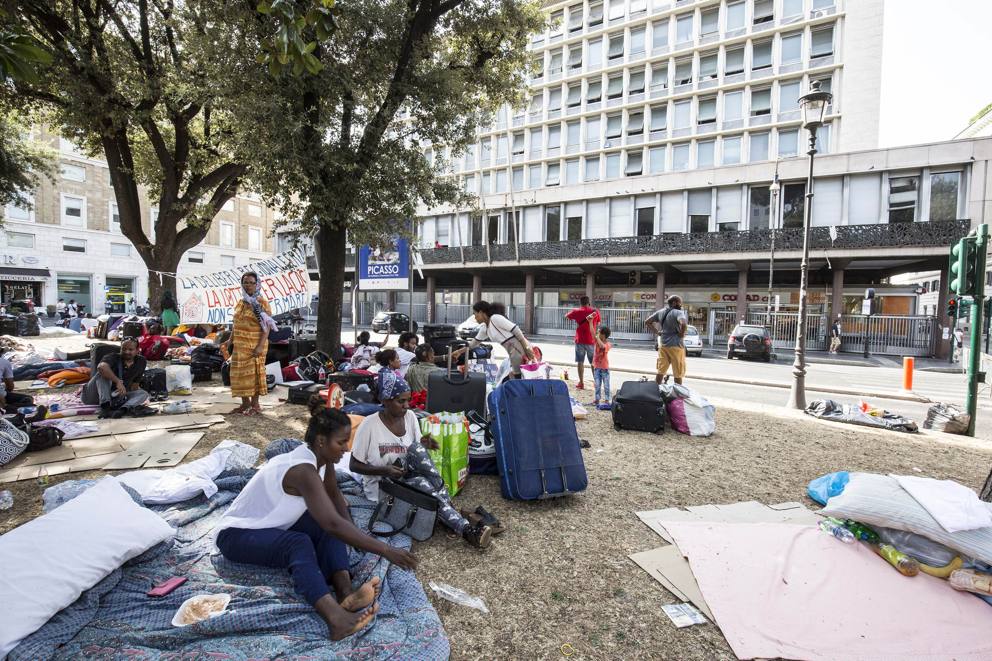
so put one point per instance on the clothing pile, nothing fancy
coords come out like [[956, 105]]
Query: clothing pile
[[861, 414]]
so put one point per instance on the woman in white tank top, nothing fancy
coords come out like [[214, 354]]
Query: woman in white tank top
[[292, 515]]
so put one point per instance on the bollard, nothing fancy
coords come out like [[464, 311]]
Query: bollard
[[907, 372]]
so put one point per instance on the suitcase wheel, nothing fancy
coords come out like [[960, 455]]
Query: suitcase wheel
[[616, 425]]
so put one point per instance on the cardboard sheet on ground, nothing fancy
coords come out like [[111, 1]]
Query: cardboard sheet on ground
[[792, 591], [667, 565], [156, 449], [134, 425]]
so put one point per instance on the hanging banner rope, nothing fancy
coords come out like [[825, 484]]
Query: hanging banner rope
[[210, 299]]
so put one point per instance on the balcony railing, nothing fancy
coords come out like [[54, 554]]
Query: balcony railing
[[901, 235]]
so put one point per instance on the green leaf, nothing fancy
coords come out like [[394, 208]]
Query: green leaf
[[264, 7], [327, 4], [322, 33], [310, 47], [283, 58], [262, 58], [274, 68], [312, 63], [297, 67]]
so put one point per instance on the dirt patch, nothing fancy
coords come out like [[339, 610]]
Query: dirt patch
[[560, 574]]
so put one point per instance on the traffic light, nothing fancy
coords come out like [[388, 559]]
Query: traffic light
[[963, 268], [952, 307]]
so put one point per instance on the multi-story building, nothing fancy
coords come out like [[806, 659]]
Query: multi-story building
[[69, 244], [644, 159]]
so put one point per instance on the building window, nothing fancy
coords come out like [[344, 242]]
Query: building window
[[657, 155], [615, 49], [680, 157], [443, 231], [758, 147], [709, 24], [903, 193], [788, 96], [592, 168], [822, 43], [595, 15], [501, 145], [595, 54], [487, 183], [683, 112], [732, 107], [612, 165], [73, 245], [573, 136], [518, 179], [944, 195], [575, 57], [120, 250], [704, 154], [617, 11], [574, 98], [572, 171], [638, 7], [554, 106], [229, 205], [227, 261], [788, 143], [254, 239], [20, 240], [763, 12], [659, 78], [73, 211], [554, 140], [708, 66], [536, 142], [635, 124], [707, 111], [67, 146], [592, 132], [534, 176], [20, 211], [500, 181], [792, 48], [683, 73], [73, 172], [683, 30], [734, 62], [115, 218], [194, 257], [594, 93], [227, 235], [761, 102], [637, 42], [659, 119], [554, 175], [518, 144], [700, 208], [575, 18], [573, 228], [792, 8], [636, 83], [761, 56], [659, 36], [614, 87], [635, 163], [759, 208], [645, 221], [555, 64], [614, 126], [552, 223], [731, 151], [793, 204], [254, 210], [735, 17]]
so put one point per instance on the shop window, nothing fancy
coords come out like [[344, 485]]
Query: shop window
[[903, 194], [944, 188], [73, 245]]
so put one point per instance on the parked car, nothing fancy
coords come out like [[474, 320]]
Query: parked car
[[750, 342], [693, 342], [468, 328], [392, 322]]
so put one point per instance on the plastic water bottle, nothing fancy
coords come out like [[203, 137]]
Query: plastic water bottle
[[904, 564], [960, 579], [6, 500], [43, 476], [838, 531], [860, 531]]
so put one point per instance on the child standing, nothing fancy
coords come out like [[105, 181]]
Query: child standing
[[601, 365]]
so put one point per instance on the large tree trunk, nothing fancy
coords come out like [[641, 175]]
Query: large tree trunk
[[330, 262], [157, 286]]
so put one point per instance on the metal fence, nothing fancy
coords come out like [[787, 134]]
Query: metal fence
[[784, 326], [624, 323], [889, 334]]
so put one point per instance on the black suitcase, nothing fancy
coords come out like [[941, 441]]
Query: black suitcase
[[28, 325], [8, 325], [438, 332], [153, 381], [302, 394], [225, 373], [201, 371], [132, 329], [304, 345], [350, 381], [454, 392], [638, 406], [100, 349]]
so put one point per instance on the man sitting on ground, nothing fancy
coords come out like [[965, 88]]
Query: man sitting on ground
[[115, 384], [420, 371], [10, 401], [407, 351]]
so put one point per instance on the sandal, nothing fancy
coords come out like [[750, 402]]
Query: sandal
[[481, 517], [240, 409], [248, 412]]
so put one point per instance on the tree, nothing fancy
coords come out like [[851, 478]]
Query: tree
[[343, 117], [123, 81]]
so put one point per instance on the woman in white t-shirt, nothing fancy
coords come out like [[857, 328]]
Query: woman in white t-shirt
[[497, 328], [292, 515], [388, 444]]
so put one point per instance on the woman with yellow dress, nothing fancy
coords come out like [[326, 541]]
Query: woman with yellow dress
[[249, 344]]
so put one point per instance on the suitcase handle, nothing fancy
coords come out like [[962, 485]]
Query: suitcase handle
[[447, 377]]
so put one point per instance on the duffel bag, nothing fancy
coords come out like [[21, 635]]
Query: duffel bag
[[42, 438], [153, 381]]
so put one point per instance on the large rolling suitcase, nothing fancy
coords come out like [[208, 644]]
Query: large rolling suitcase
[[8, 325], [537, 446], [638, 406], [458, 393], [304, 345], [438, 332]]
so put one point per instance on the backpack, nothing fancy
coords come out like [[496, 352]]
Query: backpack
[[153, 381], [312, 367]]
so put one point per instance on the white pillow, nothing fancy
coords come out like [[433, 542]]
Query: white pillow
[[48, 562], [879, 500]]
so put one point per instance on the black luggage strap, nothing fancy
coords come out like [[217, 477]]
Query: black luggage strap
[[388, 504]]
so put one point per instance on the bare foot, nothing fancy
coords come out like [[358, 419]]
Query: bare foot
[[351, 623], [240, 409], [364, 596], [256, 410]]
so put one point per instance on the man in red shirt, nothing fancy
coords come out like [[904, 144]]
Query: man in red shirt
[[585, 336]]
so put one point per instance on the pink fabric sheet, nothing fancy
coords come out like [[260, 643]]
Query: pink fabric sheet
[[784, 590]]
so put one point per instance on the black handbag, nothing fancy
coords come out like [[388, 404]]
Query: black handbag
[[42, 438], [406, 510]]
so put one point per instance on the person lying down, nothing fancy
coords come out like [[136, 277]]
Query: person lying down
[[292, 515]]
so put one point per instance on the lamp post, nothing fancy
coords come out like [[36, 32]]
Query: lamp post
[[813, 105], [772, 218]]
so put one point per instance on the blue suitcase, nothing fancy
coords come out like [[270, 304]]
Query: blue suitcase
[[537, 447]]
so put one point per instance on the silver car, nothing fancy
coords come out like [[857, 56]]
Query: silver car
[[693, 342]]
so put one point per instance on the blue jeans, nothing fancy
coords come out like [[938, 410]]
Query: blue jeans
[[584, 352], [601, 378], [310, 554]]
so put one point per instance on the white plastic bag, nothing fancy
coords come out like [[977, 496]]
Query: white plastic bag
[[579, 412], [691, 413], [537, 371], [179, 380]]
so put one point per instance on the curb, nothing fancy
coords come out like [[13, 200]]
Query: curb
[[903, 396]]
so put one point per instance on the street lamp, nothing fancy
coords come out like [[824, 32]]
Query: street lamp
[[772, 217], [813, 105]]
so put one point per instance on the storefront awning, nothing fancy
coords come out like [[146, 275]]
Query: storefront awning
[[11, 274]]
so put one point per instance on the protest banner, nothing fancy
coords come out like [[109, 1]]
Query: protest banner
[[210, 299]]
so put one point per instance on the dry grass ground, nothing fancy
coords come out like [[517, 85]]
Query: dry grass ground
[[560, 574]]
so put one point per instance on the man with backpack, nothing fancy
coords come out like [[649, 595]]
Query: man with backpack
[[670, 324]]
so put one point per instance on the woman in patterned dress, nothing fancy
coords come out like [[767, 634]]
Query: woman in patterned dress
[[252, 323]]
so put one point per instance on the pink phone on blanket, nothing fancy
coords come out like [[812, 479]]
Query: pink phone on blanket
[[165, 587]]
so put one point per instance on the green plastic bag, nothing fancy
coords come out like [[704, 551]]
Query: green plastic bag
[[450, 431]]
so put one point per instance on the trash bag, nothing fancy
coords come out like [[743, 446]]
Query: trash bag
[[827, 486], [179, 380], [828, 409], [690, 413], [947, 418]]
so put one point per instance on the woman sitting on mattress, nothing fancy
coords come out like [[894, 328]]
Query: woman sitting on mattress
[[292, 515]]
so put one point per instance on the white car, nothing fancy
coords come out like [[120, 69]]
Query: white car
[[693, 342], [468, 329]]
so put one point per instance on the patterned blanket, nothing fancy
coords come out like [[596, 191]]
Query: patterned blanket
[[266, 619]]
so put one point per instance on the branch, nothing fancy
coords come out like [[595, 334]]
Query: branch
[[119, 22], [171, 183], [445, 7], [211, 180]]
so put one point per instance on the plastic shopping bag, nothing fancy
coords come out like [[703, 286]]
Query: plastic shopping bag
[[179, 380]]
